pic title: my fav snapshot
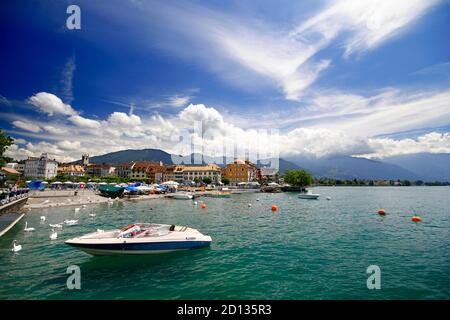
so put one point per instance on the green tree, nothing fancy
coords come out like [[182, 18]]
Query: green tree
[[207, 180], [225, 180], [299, 178], [5, 142]]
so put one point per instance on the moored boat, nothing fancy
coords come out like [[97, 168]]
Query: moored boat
[[309, 195], [141, 238], [111, 191], [182, 196]]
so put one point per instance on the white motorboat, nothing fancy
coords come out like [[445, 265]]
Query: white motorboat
[[141, 238], [309, 195], [182, 196]]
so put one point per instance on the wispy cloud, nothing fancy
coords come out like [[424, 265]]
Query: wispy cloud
[[67, 79], [239, 47], [437, 69]]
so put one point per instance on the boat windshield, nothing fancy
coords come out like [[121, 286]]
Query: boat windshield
[[145, 230]]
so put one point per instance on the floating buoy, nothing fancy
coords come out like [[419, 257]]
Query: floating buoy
[[328, 198], [257, 199], [416, 219], [249, 205], [195, 203], [382, 212], [274, 208], [203, 206]]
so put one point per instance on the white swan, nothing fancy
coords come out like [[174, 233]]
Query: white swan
[[70, 222], [53, 235], [26, 227], [83, 206], [77, 209], [56, 225], [43, 218], [195, 203], [15, 247], [249, 205], [92, 214]]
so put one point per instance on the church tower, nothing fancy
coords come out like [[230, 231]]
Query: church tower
[[85, 159]]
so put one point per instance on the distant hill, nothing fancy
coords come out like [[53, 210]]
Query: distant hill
[[132, 155], [429, 166], [129, 155], [347, 167], [423, 166]]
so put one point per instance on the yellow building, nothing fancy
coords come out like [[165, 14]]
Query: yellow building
[[240, 171], [68, 169]]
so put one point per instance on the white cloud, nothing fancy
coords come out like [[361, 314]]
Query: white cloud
[[69, 145], [27, 126], [81, 122], [318, 130], [50, 104], [433, 142], [123, 119]]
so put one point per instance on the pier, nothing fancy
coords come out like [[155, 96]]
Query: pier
[[9, 216]]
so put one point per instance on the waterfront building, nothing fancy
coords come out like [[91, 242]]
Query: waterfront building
[[240, 171], [268, 174], [6, 173], [192, 173], [18, 166], [68, 169], [168, 173], [124, 170], [146, 169], [100, 170], [40, 167]]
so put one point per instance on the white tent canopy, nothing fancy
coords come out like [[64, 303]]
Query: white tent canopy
[[56, 182], [170, 183]]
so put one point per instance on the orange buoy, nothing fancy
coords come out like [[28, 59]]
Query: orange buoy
[[274, 208], [416, 219], [382, 212], [203, 206]]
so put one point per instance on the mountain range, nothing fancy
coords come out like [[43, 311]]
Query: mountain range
[[421, 166]]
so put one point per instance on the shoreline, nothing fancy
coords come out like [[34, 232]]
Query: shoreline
[[56, 199]]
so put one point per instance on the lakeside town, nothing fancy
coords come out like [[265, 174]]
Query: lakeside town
[[238, 173]]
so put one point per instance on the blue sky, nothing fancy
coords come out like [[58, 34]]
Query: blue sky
[[332, 77]]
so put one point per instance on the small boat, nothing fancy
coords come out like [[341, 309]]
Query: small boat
[[309, 195], [221, 194], [141, 238], [111, 191], [182, 196]]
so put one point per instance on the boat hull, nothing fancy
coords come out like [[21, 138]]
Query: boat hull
[[309, 196], [139, 248]]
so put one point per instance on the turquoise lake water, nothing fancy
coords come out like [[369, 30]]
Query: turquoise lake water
[[308, 249]]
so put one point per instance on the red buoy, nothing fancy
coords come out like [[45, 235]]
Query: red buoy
[[416, 219], [274, 208], [203, 206], [382, 212]]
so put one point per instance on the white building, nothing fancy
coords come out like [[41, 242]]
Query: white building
[[41, 167]]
